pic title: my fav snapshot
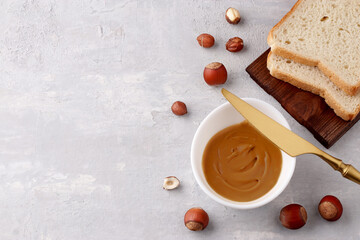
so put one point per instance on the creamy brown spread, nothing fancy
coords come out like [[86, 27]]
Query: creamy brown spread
[[241, 164]]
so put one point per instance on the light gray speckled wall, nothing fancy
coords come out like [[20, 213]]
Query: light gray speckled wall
[[87, 135]]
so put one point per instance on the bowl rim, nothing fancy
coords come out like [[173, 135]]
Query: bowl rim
[[227, 202]]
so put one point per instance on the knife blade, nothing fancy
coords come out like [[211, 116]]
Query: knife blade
[[285, 139], [282, 137]]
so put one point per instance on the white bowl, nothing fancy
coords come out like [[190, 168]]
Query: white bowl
[[220, 118]]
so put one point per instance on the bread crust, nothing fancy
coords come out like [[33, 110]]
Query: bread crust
[[329, 99], [349, 89], [270, 36]]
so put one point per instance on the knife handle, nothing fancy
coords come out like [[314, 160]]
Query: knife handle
[[347, 170], [351, 173]]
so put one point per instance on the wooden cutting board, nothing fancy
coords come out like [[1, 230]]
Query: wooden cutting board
[[308, 109]]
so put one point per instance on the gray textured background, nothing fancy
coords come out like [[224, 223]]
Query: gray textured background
[[87, 135]]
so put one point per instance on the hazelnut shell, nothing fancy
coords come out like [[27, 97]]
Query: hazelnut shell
[[215, 73], [171, 183], [196, 219], [293, 216], [330, 208]]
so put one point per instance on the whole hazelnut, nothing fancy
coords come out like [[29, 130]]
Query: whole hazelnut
[[206, 40], [215, 73], [293, 216], [179, 108], [330, 208], [196, 219], [232, 16], [234, 44]]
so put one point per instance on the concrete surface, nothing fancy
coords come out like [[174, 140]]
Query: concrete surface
[[87, 135]]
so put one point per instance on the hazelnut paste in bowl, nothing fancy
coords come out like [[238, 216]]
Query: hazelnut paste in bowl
[[227, 166], [240, 164]]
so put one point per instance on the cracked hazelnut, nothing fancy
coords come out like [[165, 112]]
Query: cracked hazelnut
[[232, 16], [234, 44], [293, 216], [196, 219], [171, 183], [215, 73], [330, 208], [179, 108], [206, 40]]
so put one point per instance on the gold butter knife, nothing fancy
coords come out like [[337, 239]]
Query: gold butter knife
[[285, 139]]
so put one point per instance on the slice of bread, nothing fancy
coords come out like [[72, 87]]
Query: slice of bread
[[311, 79], [322, 33]]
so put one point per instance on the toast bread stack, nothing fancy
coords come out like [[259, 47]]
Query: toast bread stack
[[316, 47]]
